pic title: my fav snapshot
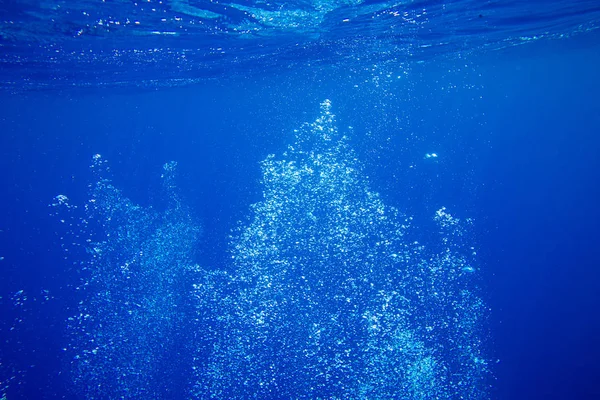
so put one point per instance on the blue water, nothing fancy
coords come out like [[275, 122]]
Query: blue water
[[353, 199]]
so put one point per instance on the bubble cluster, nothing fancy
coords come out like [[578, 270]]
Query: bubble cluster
[[331, 299], [131, 335]]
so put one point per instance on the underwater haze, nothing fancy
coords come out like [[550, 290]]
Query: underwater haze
[[312, 199]]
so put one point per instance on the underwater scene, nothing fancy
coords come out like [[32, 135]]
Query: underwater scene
[[316, 199]]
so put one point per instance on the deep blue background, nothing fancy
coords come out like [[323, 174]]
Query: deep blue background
[[517, 135]]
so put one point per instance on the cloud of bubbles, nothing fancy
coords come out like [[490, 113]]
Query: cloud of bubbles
[[132, 335], [326, 294], [331, 299]]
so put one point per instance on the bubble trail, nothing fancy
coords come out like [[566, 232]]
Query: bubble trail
[[132, 334]]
